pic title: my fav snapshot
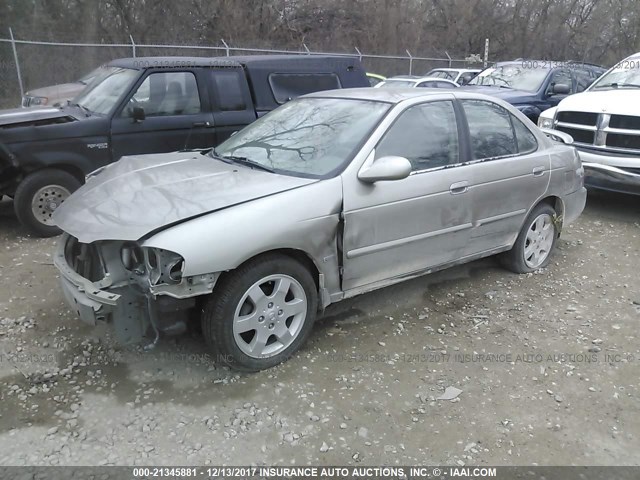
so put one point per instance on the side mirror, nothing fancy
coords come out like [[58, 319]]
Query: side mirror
[[386, 168], [138, 114], [560, 89]]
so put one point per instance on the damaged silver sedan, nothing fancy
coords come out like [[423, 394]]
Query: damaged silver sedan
[[329, 196]]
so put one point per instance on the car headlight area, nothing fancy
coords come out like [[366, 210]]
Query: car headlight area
[[137, 288], [544, 122]]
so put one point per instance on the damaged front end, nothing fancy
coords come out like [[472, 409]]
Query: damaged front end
[[139, 289]]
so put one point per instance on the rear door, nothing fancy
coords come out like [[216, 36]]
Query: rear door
[[396, 228], [178, 115], [233, 106], [509, 174]]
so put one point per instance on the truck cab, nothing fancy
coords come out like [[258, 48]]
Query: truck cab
[[148, 105]]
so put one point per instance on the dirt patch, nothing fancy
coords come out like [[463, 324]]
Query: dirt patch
[[547, 365]]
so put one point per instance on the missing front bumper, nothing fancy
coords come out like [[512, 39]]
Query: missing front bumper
[[94, 303], [116, 298]]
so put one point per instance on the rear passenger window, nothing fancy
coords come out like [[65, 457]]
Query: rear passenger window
[[228, 90], [527, 142], [287, 86], [490, 130], [427, 135]]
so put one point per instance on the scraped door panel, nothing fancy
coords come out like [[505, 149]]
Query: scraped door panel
[[510, 175], [396, 228]]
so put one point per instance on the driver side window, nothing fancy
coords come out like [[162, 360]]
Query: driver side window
[[165, 94], [560, 77], [426, 135]]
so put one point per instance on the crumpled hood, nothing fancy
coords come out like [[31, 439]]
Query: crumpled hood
[[509, 95], [140, 194], [619, 101], [32, 114]]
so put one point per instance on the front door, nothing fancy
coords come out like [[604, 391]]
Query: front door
[[396, 228], [176, 116]]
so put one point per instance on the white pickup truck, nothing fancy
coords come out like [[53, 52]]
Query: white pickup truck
[[604, 122]]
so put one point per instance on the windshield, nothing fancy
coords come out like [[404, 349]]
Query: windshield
[[512, 76], [397, 83], [442, 74], [624, 74], [90, 76], [104, 93], [312, 137]]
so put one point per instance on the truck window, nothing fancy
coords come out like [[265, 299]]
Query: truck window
[[583, 80], [228, 90], [166, 93], [287, 86]]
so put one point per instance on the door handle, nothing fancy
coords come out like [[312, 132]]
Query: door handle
[[202, 124], [538, 171], [458, 187]]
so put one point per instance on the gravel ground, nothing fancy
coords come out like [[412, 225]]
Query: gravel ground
[[532, 369]]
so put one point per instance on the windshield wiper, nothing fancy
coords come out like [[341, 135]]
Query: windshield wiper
[[86, 111], [618, 85], [241, 160], [607, 85]]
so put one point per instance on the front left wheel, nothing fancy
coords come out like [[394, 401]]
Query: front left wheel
[[39, 195], [261, 313]]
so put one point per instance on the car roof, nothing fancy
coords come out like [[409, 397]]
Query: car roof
[[548, 64], [416, 79], [453, 69], [231, 61], [393, 95], [403, 77], [435, 79]]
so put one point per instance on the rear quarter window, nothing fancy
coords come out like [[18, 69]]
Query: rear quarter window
[[527, 142], [287, 86], [229, 90]]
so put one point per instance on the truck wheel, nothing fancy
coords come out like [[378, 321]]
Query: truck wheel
[[261, 313], [39, 195], [535, 242]]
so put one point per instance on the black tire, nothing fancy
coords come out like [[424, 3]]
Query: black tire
[[22, 202], [514, 259], [219, 310]]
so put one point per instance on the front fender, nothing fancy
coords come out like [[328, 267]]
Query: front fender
[[305, 219], [8, 170], [530, 111]]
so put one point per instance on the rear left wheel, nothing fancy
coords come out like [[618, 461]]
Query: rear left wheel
[[260, 313], [535, 242]]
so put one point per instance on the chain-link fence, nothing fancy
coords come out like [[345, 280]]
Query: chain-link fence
[[28, 64]]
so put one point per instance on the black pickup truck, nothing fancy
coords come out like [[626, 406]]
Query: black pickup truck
[[148, 105]]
